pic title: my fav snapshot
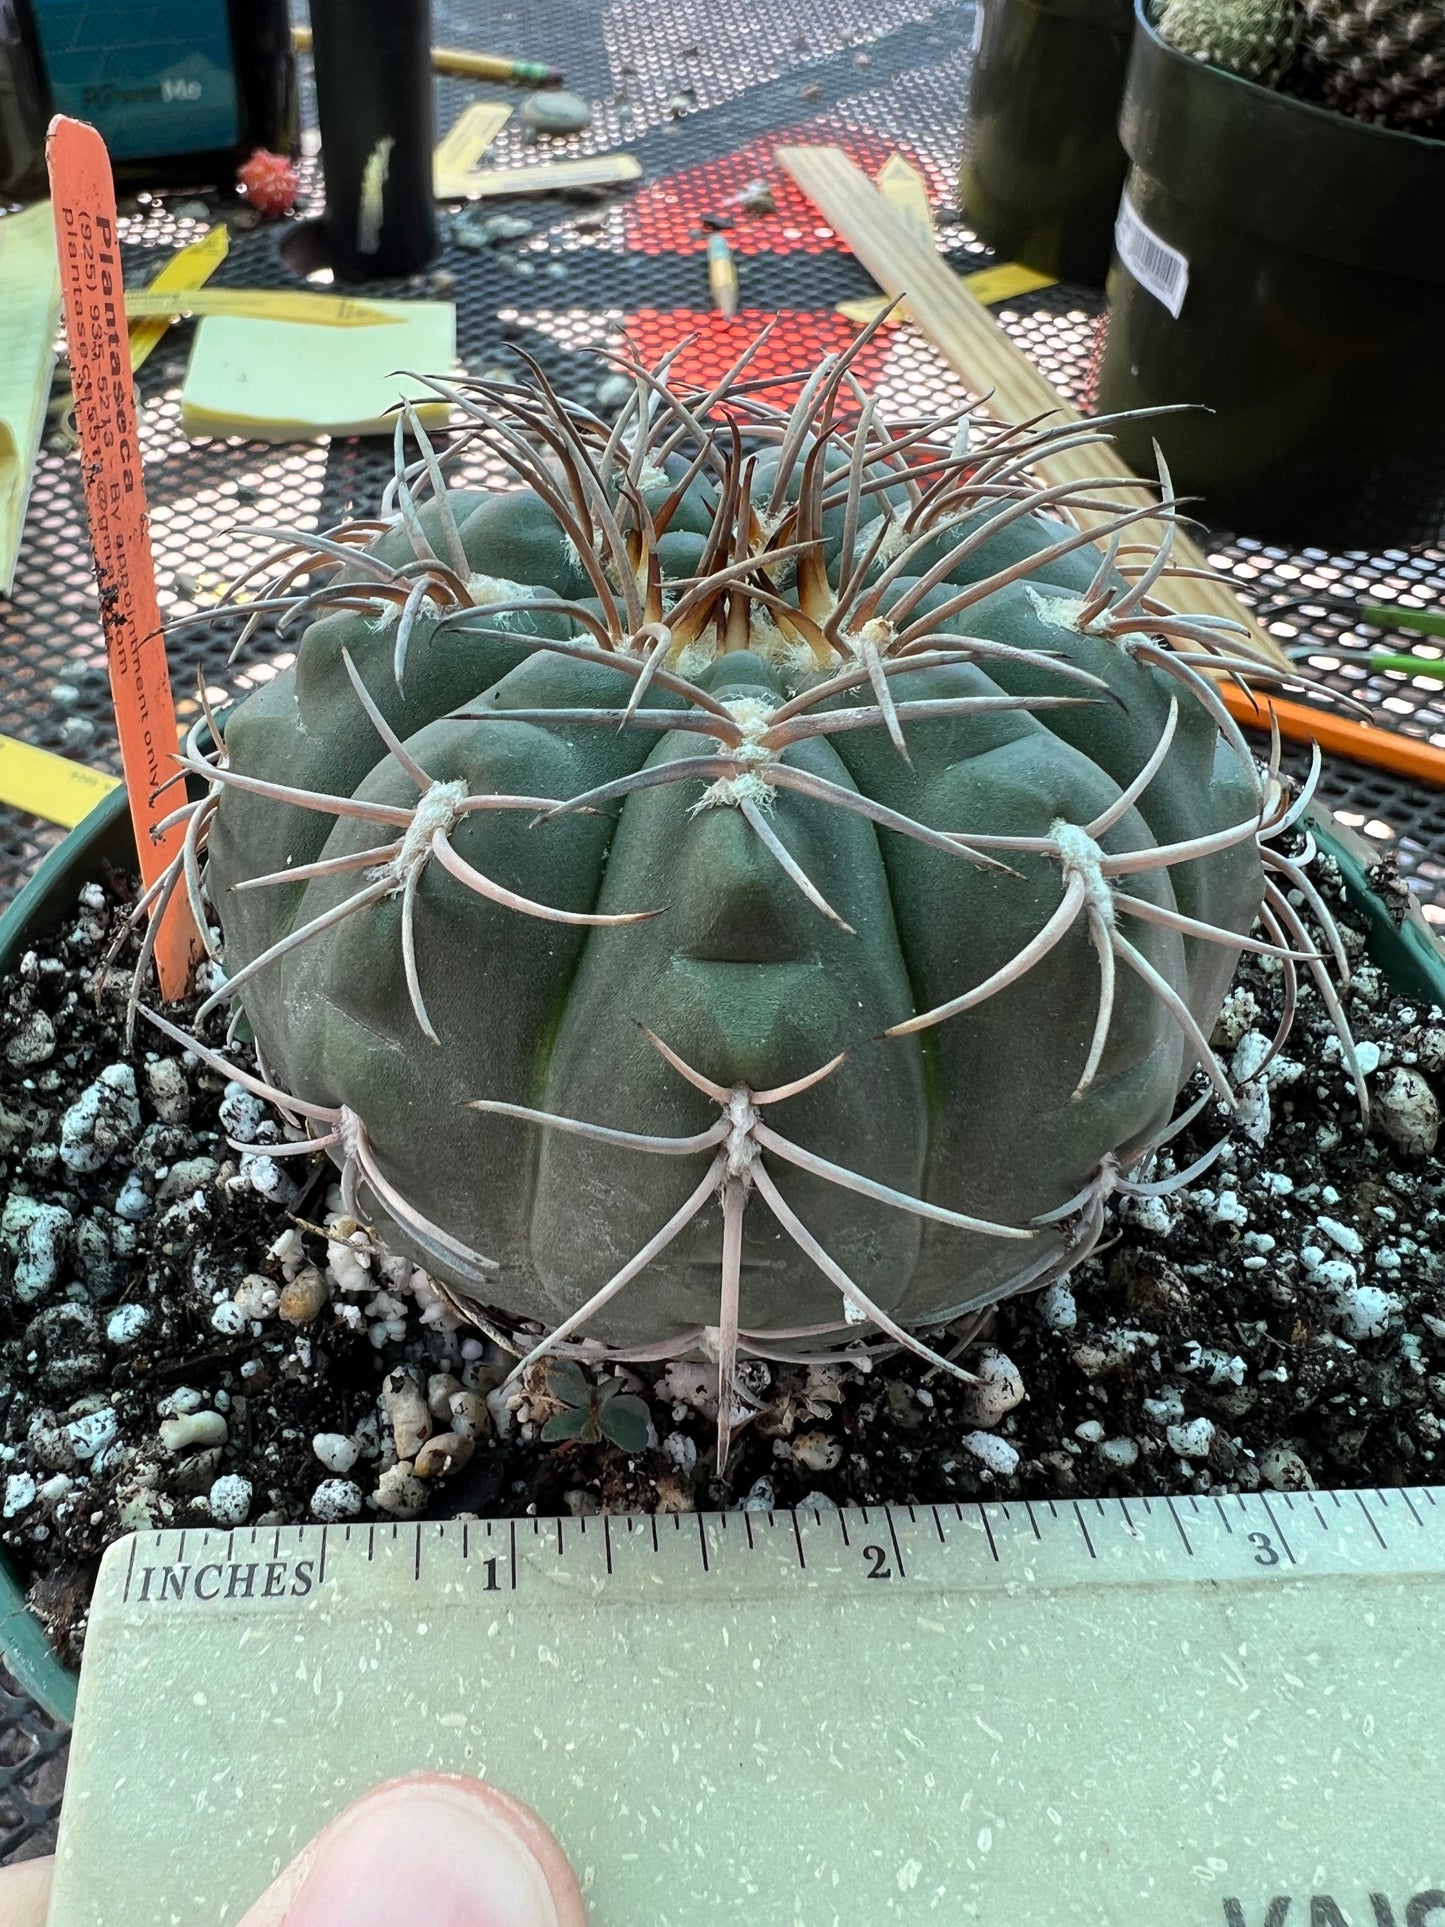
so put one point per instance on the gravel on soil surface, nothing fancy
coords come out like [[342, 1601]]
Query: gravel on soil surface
[[190, 1332]]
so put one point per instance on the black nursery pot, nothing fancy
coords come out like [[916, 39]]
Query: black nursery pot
[[1042, 165], [1310, 322]]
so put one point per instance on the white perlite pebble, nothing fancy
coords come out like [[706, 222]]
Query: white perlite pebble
[[230, 1499], [229, 1319], [1058, 1309], [134, 1202], [1191, 1441], [126, 1323], [36, 1235], [760, 1498], [270, 1181], [103, 1119], [1152, 1214], [335, 1500], [1249, 1056], [255, 1296], [1000, 1458], [1367, 1055], [19, 1493], [1091, 1431], [1343, 1235], [1362, 1311], [241, 1113], [1120, 1452], [1167, 1408], [336, 1451], [999, 1389], [1406, 1111], [1227, 1209], [89, 1436]]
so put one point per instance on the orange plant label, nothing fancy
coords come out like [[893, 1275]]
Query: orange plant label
[[93, 292]]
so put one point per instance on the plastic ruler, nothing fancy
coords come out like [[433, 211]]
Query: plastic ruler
[[1132, 1713]]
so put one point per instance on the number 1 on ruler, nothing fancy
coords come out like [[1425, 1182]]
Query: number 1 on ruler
[[93, 291]]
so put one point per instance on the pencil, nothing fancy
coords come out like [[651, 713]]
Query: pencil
[[469, 66], [722, 274], [1363, 742]]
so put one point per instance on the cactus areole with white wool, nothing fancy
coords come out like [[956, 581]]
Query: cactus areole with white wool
[[756, 887]]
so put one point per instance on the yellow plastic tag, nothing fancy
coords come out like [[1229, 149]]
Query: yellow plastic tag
[[49, 786], [464, 144], [190, 267], [262, 304]]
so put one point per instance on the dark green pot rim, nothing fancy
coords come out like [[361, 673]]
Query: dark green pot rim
[[1298, 175], [1408, 954]]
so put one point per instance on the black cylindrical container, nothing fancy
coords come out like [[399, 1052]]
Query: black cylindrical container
[[1279, 264], [375, 102], [182, 91], [1042, 165]]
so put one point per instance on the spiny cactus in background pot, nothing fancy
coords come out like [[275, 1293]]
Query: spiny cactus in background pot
[[757, 888], [1254, 38], [1375, 60]]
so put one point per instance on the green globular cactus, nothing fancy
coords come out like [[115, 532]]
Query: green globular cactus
[[758, 887], [1253, 38]]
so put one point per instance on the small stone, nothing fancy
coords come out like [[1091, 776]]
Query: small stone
[[1281, 1467], [169, 1093], [91, 1434], [470, 1414], [1367, 1055], [817, 1451], [303, 1297], [476, 230], [66, 1342], [336, 1451], [400, 1492], [1001, 1458], [406, 1409], [443, 1453], [760, 1497], [1406, 1111], [439, 1389], [230, 1498], [1121, 1453], [335, 1500], [1091, 1431], [195, 1428], [555, 111], [999, 1389], [185, 1178], [1191, 1441], [256, 1296]]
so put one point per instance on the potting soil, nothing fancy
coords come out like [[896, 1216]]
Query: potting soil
[[189, 1333]]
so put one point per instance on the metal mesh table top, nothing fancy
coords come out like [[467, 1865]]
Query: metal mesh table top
[[699, 90], [699, 93]]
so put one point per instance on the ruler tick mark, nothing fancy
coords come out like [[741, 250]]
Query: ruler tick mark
[[1078, 1514], [1223, 1516], [897, 1549], [843, 1529], [1179, 1525], [748, 1528], [798, 1542], [607, 1543], [416, 1559], [988, 1532], [652, 1521], [1278, 1529], [1371, 1518], [512, 1551], [1028, 1508], [938, 1525], [1411, 1503], [130, 1568], [702, 1541]]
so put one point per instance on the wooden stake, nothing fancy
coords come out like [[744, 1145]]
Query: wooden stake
[[903, 263]]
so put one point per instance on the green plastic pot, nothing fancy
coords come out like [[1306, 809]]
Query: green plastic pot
[[1310, 326], [1042, 165], [1408, 954]]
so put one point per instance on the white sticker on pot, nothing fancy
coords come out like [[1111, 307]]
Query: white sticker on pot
[[1153, 263]]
